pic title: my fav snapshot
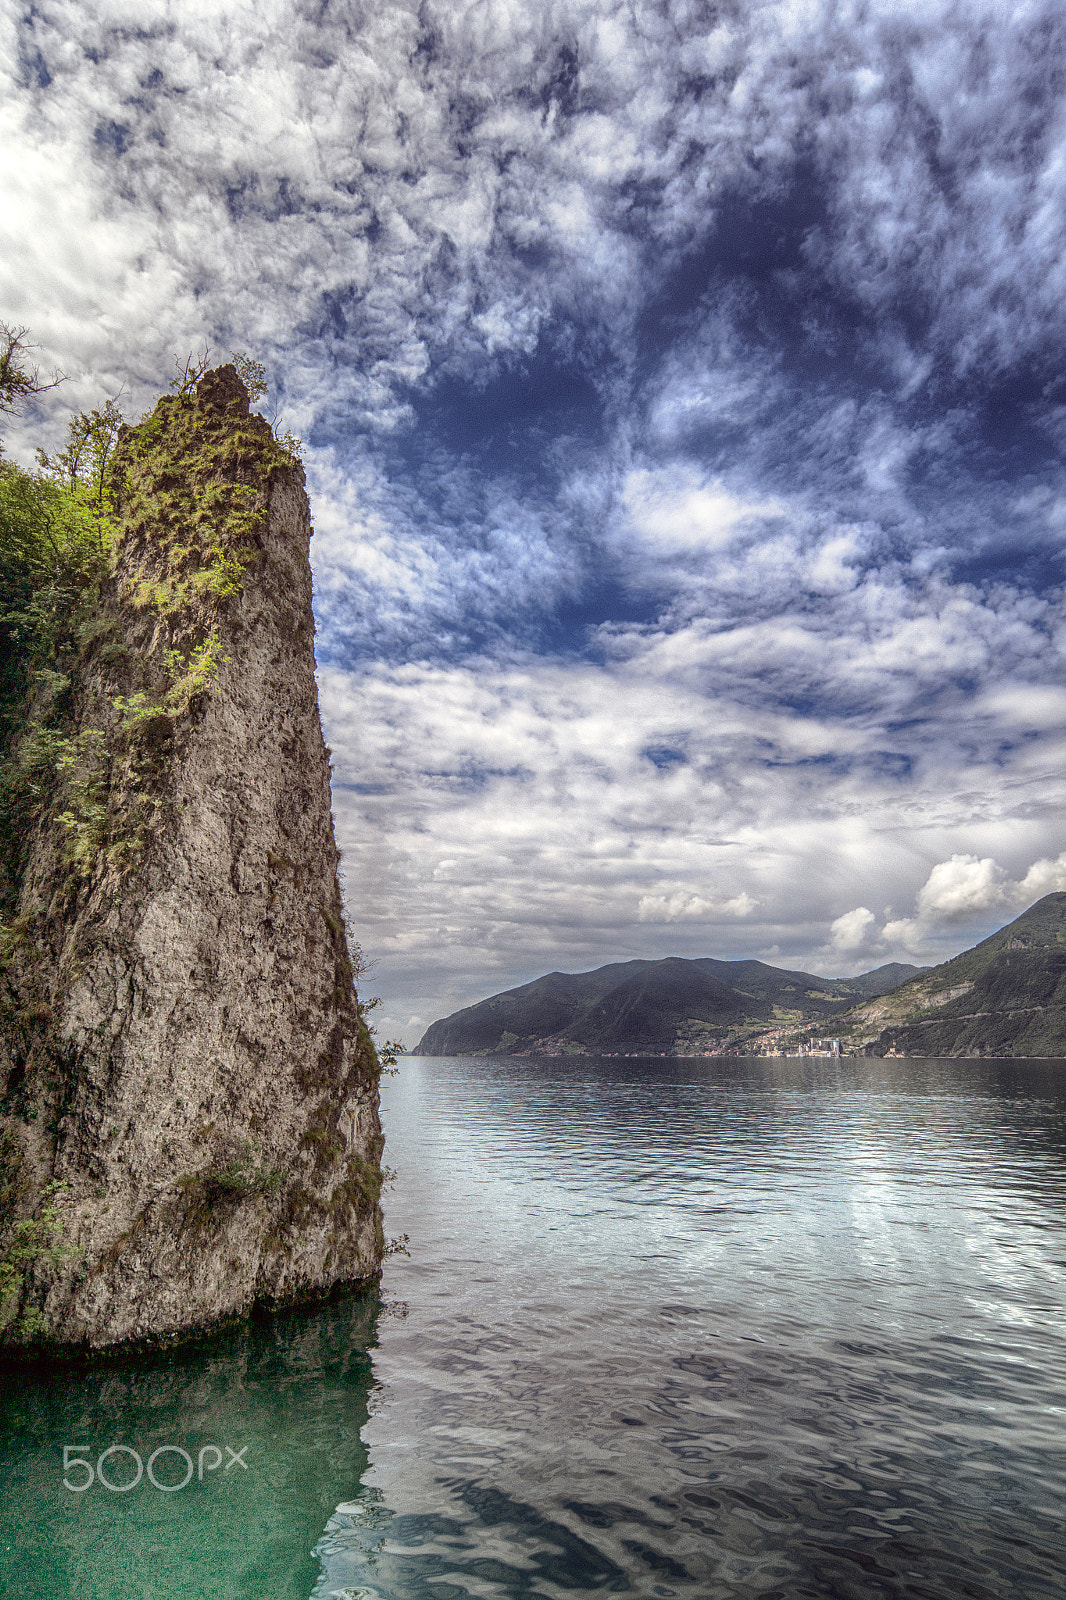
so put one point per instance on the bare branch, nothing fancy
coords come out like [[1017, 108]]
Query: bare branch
[[191, 370], [18, 379]]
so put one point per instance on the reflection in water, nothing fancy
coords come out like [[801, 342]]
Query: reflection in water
[[721, 1329], [703, 1329], [291, 1392]]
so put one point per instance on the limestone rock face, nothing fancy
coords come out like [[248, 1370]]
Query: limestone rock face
[[192, 1109]]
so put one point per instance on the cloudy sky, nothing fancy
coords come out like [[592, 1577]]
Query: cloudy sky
[[684, 399]]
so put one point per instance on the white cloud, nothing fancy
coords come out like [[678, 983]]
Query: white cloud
[[963, 890], [850, 932], [676, 511], [499, 822], [958, 889], [1044, 877], [685, 907]]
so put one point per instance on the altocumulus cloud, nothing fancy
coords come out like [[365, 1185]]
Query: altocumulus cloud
[[681, 388]]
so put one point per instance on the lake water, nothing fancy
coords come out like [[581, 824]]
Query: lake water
[[694, 1328]]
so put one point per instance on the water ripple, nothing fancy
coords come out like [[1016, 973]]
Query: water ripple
[[720, 1329]]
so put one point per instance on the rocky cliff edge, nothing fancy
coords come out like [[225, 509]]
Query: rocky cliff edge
[[190, 1096]]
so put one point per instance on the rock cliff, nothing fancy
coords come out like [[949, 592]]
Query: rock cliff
[[189, 1088]]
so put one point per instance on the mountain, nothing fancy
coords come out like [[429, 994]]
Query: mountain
[[672, 1005], [1005, 997], [880, 980], [188, 1091]]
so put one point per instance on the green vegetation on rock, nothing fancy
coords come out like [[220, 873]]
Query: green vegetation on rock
[[30, 1241], [1005, 997], [115, 557], [55, 546]]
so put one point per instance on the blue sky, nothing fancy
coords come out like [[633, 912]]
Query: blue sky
[[684, 403]]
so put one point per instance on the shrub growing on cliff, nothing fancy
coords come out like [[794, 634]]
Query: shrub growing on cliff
[[162, 518], [31, 1241], [55, 537], [54, 547]]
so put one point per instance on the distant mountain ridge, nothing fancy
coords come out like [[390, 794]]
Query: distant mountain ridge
[[674, 1005], [1005, 997]]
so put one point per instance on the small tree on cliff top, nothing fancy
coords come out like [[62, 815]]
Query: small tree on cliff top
[[18, 378]]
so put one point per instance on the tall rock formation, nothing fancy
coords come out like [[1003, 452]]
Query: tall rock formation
[[189, 1088]]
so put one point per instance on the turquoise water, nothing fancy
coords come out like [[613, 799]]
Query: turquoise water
[[695, 1328], [290, 1394]]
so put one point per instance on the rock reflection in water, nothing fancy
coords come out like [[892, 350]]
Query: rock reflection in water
[[290, 1391]]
